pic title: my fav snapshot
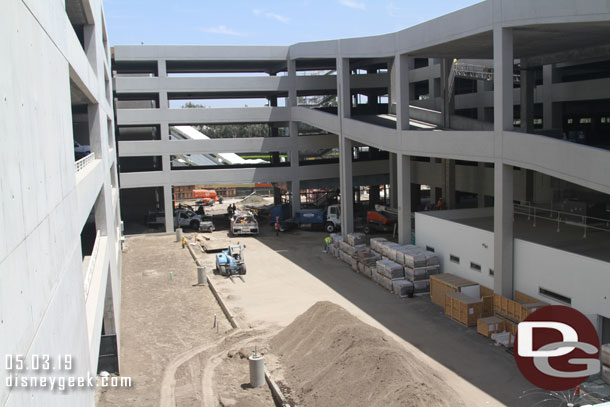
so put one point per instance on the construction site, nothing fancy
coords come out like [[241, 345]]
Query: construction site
[[369, 221]]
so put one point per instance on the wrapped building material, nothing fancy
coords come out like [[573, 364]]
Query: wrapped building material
[[369, 270], [382, 280], [416, 274], [402, 288], [360, 267], [376, 243], [337, 237], [421, 286], [390, 269], [421, 273], [414, 258], [355, 263], [431, 259], [387, 249], [355, 239], [368, 257]]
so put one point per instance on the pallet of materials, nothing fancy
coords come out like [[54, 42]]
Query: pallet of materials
[[422, 273], [510, 325], [490, 325], [377, 243], [421, 286], [462, 308], [382, 281], [505, 339], [403, 288], [369, 270], [355, 239], [514, 309], [390, 269], [444, 283], [368, 257], [487, 295]]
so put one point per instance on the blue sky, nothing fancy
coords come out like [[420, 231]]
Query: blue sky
[[269, 22]]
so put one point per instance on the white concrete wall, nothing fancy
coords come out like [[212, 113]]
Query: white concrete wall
[[583, 279], [44, 204], [451, 238]]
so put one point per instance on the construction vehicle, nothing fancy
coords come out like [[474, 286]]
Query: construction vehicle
[[244, 223], [329, 219], [382, 219], [206, 197], [230, 262]]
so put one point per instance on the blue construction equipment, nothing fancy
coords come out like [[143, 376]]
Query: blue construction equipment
[[230, 262], [327, 219]]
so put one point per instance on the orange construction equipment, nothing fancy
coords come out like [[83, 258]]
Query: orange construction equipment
[[382, 219], [207, 196]]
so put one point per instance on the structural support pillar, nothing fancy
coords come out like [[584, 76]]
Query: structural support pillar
[[293, 132], [528, 82], [404, 198], [168, 205], [448, 105], [393, 180], [295, 186], [345, 147], [503, 174], [346, 185]]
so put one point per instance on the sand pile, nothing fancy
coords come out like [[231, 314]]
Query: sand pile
[[252, 200], [331, 358]]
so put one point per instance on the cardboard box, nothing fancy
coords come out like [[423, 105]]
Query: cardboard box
[[462, 308], [444, 283], [490, 325]]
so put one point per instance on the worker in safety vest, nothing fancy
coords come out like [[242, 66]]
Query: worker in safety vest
[[327, 242]]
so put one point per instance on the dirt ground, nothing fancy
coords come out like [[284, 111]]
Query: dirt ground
[[169, 346], [172, 352]]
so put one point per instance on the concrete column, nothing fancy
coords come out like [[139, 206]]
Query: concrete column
[[346, 185], [547, 96], [168, 203], [527, 79], [345, 147], [448, 105], [404, 198], [481, 185], [401, 91], [295, 186], [392, 87], [343, 88], [292, 76], [503, 230], [503, 174], [393, 181], [90, 42], [449, 183]]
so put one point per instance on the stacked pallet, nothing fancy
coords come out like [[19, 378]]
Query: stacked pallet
[[462, 308], [441, 284], [514, 311], [490, 325], [334, 246], [605, 357]]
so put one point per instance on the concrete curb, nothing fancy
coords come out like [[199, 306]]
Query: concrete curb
[[223, 306], [278, 396]]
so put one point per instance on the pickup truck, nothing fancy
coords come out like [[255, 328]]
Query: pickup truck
[[244, 223]]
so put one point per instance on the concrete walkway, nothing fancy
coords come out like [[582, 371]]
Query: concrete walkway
[[288, 274]]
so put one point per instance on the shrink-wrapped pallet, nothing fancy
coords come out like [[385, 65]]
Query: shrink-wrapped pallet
[[414, 257], [402, 288], [368, 257], [382, 281], [416, 274], [421, 286], [354, 264], [390, 269], [387, 249], [355, 239], [431, 259], [376, 243], [369, 270]]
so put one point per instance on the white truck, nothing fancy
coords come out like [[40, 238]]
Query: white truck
[[187, 218], [244, 223]]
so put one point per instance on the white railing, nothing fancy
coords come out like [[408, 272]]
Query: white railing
[[91, 265], [561, 217], [83, 162]]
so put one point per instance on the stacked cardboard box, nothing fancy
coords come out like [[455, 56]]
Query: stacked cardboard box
[[490, 325], [441, 284], [462, 308]]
